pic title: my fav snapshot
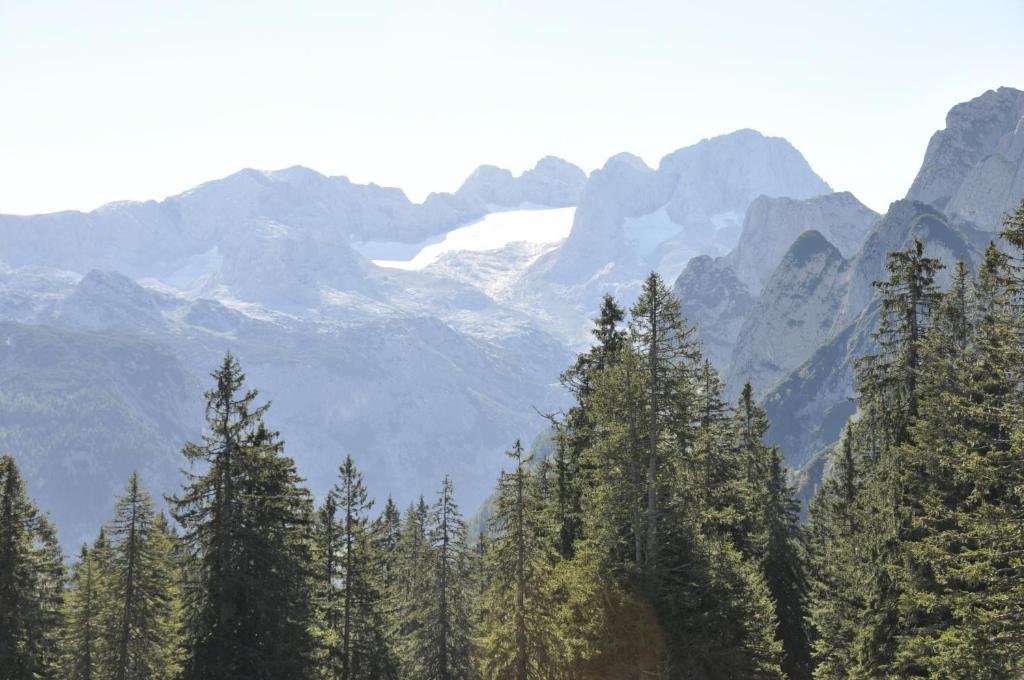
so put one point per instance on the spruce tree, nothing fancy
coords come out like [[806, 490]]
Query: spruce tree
[[520, 638], [576, 434], [769, 532], [142, 620], [446, 640], [412, 595], [835, 527], [889, 385], [246, 522], [31, 583], [960, 479], [81, 651], [660, 334], [351, 598]]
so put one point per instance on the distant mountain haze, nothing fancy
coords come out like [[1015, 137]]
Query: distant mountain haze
[[411, 336]]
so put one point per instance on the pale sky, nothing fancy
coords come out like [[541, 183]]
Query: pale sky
[[101, 101]]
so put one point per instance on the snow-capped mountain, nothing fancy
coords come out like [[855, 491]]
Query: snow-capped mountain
[[424, 337], [418, 337]]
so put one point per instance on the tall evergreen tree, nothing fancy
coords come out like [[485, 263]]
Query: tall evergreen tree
[[246, 527], [889, 385], [353, 607], [83, 629], [412, 595], [835, 527], [661, 335], [520, 638], [446, 640], [143, 626], [31, 583]]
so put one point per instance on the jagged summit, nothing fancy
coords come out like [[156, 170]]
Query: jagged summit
[[973, 169], [552, 182], [808, 245], [772, 224]]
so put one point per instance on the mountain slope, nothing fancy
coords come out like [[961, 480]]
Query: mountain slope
[[809, 406], [973, 169], [772, 225], [632, 219], [794, 315]]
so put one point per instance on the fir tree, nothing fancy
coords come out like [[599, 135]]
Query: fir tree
[[246, 521], [889, 386], [412, 597], [770, 534], [446, 639], [659, 332], [352, 601], [836, 600], [142, 636], [31, 583], [520, 638], [83, 603]]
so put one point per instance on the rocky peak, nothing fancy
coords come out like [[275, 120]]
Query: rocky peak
[[796, 313], [552, 182], [717, 302], [980, 147], [772, 224]]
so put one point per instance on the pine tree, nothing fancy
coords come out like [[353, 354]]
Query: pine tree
[[31, 583], [520, 638], [835, 527], [246, 527], [888, 379], [889, 386], [412, 598], [661, 335], [352, 601], [958, 476], [784, 569], [445, 641], [769, 533], [387, 530], [83, 602], [576, 434], [142, 620]]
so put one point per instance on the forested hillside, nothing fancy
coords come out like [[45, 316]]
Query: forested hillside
[[659, 539]]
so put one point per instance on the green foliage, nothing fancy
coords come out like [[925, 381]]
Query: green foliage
[[915, 543], [655, 536], [351, 606], [140, 607], [247, 530], [519, 636], [31, 583]]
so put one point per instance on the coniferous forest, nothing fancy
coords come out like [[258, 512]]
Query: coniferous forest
[[660, 538]]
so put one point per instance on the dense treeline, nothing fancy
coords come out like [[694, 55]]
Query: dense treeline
[[916, 541], [659, 539]]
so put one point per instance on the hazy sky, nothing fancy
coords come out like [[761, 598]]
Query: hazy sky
[[102, 101]]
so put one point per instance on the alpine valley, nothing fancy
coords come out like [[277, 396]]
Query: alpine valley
[[423, 338]]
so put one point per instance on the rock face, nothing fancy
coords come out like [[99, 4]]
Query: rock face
[[973, 170], [771, 225], [722, 175], [729, 296], [701, 190], [716, 302], [903, 221], [809, 406], [298, 207], [632, 219], [796, 313], [553, 182]]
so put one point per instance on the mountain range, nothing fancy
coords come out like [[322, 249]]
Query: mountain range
[[112, 319]]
